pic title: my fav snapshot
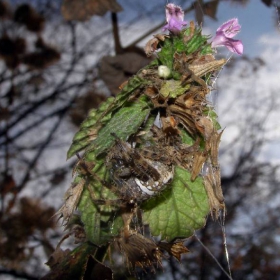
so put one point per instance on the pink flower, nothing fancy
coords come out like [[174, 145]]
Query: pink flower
[[174, 18], [224, 36]]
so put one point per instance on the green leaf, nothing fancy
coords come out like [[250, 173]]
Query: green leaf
[[173, 89], [99, 117], [207, 49], [178, 211], [76, 147], [179, 44], [214, 117], [132, 84], [196, 42], [166, 54], [124, 123], [186, 138], [90, 127], [101, 222]]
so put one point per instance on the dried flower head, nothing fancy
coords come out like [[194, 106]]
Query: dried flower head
[[139, 250]]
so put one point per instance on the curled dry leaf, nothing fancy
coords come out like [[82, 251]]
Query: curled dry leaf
[[214, 152], [84, 10], [214, 193], [139, 250], [57, 257], [199, 159], [152, 45], [72, 198], [77, 264], [175, 249], [205, 126]]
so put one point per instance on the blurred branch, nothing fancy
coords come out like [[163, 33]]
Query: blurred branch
[[18, 274], [32, 164], [50, 115]]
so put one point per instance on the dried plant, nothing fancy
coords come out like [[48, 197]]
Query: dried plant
[[144, 151]]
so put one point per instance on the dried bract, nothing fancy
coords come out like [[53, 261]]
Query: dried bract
[[139, 250]]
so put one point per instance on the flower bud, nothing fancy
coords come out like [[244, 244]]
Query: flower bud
[[164, 71]]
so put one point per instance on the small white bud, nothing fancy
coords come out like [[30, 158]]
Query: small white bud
[[164, 71]]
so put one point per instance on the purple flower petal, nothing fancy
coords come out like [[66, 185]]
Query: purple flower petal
[[234, 46], [224, 36], [174, 18], [230, 28]]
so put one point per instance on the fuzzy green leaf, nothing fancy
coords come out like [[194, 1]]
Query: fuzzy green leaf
[[101, 222], [99, 117], [178, 211], [90, 127], [124, 123], [132, 84], [179, 44], [166, 54]]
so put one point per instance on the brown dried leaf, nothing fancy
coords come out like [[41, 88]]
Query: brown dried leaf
[[83, 10], [205, 127], [192, 29], [215, 194], [72, 198], [214, 144], [210, 8], [57, 257], [97, 271], [199, 159], [77, 264], [169, 125], [201, 69], [139, 250], [174, 249], [151, 45]]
